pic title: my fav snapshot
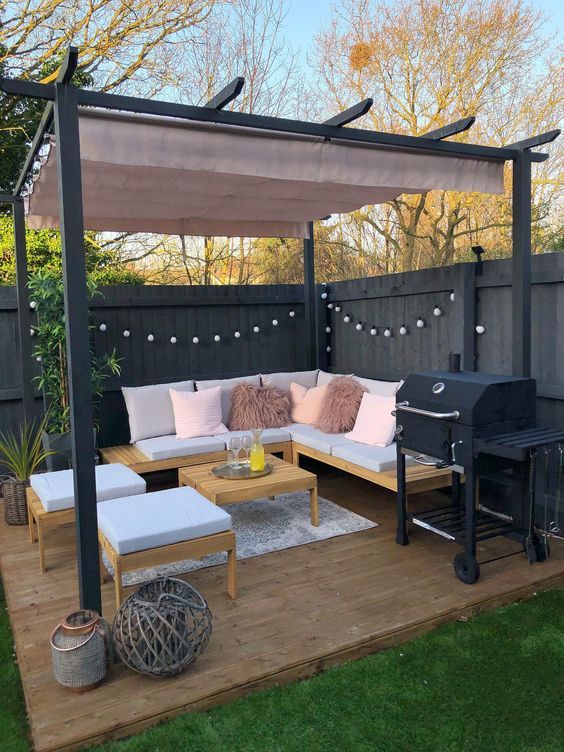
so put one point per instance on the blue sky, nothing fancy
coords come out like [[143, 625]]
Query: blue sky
[[306, 16]]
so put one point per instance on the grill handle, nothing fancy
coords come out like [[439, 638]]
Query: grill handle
[[454, 415]]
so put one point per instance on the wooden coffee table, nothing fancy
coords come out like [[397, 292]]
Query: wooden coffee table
[[284, 478]]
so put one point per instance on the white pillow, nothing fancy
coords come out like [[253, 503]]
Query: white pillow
[[227, 387], [324, 378], [383, 388], [150, 409], [375, 425], [284, 379]]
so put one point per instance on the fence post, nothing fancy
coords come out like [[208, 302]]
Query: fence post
[[464, 340], [310, 302], [24, 319]]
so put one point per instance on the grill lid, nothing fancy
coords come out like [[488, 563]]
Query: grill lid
[[479, 398]]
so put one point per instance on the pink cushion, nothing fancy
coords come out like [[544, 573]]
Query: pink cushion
[[341, 405], [197, 413], [259, 407], [306, 403], [375, 425]]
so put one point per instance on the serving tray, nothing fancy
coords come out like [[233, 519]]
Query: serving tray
[[240, 472]]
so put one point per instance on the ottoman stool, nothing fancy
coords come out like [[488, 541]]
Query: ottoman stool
[[50, 498], [164, 527]]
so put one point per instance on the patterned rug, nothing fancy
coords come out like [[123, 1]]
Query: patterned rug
[[266, 525]]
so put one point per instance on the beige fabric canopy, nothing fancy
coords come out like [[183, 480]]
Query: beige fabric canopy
[[162, 175]]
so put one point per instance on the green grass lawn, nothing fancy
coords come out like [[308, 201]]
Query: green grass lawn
[[492, 684]]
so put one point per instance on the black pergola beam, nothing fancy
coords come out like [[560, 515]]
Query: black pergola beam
[[352, 113], [227, 94], [24, 318], [540, 140], [450, 130], [521, 264]]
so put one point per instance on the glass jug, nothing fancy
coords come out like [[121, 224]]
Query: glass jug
[[256, 455]]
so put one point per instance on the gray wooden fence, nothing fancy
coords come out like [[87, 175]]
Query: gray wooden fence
[[391, 301]]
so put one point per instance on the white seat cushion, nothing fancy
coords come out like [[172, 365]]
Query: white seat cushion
[[378, 459], [283, 380], [269, 435], [314, 438], [227, 387], [161, 518], [167, 447], [56, 490]]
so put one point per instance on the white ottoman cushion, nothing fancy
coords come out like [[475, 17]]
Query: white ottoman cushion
[[161, 518], [56, 490], [166, 447]]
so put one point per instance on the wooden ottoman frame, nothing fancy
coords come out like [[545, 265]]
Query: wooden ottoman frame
[[39, 520], [150, 557]]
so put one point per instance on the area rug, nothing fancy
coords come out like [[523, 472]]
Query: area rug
[[266, 525]]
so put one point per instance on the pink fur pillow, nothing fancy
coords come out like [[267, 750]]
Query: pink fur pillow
[[341, 405], [259, 407]]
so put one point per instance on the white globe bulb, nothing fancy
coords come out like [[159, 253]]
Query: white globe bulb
[[338, 308], [374, 331], [437, 311], [173, 340], [216, 338], [480, 329], [32, 332], [452, 296], [103, 327], [126, 333], [346, 319], [33, 304], [151, 337], [237, 335], [387, 333], [274, 322], [420, 323], [403, 330], [292, 314], [38, 359], [327, 330], [328, 348], [358, 327], [330, 306], [256, 329], [323, 296], [195, 340]]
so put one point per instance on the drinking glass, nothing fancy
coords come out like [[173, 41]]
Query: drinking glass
[[233, 449], [246, 443]]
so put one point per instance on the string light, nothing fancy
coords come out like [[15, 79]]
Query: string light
[[420, 323], [452, 297], [358, 327], [216, 338], [195, 340], [102, 327], [387, 332], [292, 314], [33, 305], [32, 332], [38, 359], [327, 330], [330, 306], [328, 348], [346, 318], [338, 308], [173, 340], [480, 329], [256, 329], [237, 335], [437, 311], [151, 338], [274, 322], [126, 332], [373, 331], [323, 296], [403, 329]]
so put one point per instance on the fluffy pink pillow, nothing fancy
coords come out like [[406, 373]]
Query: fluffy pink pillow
[[197, 413], [375, 425], [307, 403], [259, 407], [339, 411]]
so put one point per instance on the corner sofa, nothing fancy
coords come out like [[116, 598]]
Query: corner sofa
[[154, 446]]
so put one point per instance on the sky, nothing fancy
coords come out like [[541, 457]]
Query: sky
[[306, 16]]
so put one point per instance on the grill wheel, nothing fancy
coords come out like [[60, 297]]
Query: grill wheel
[[466, 568]]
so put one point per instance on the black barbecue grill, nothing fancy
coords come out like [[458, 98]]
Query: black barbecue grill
[[480, 425]]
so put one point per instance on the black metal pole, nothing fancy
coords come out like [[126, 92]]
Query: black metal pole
[[24, 318], [310, 303], [522, 264], [78, 343], [402, 538]]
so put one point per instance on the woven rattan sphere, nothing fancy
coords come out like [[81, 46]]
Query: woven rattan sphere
[[162, 628]]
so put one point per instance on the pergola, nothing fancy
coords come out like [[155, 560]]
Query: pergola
[[125, 163]]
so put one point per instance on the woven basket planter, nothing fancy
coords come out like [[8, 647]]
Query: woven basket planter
[[15, 501], [162, 628]]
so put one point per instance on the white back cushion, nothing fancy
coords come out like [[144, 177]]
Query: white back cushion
[[227, 387], [382, 388], [150, 409], [283, 380], [324, 377]]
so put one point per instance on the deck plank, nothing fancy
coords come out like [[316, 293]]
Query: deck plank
[[298, 611]]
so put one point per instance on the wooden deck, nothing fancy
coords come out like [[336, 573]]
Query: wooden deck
[[299, 611]]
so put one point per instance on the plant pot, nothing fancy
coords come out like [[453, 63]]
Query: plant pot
[[61, 444], [15, 501]]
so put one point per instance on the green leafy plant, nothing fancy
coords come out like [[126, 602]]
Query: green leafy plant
[[22, 451], [47, 293]]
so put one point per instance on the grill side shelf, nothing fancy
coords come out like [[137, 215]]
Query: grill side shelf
[[516, 446]]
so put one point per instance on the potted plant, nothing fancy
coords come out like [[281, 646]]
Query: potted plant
[[21, 453], [47, 293]]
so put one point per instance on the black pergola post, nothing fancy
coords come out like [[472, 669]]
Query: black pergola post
[[521, 291], [24, 318], [78, 342], [310, 303]]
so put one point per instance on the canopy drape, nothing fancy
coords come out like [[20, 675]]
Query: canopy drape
[[162, 175]]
